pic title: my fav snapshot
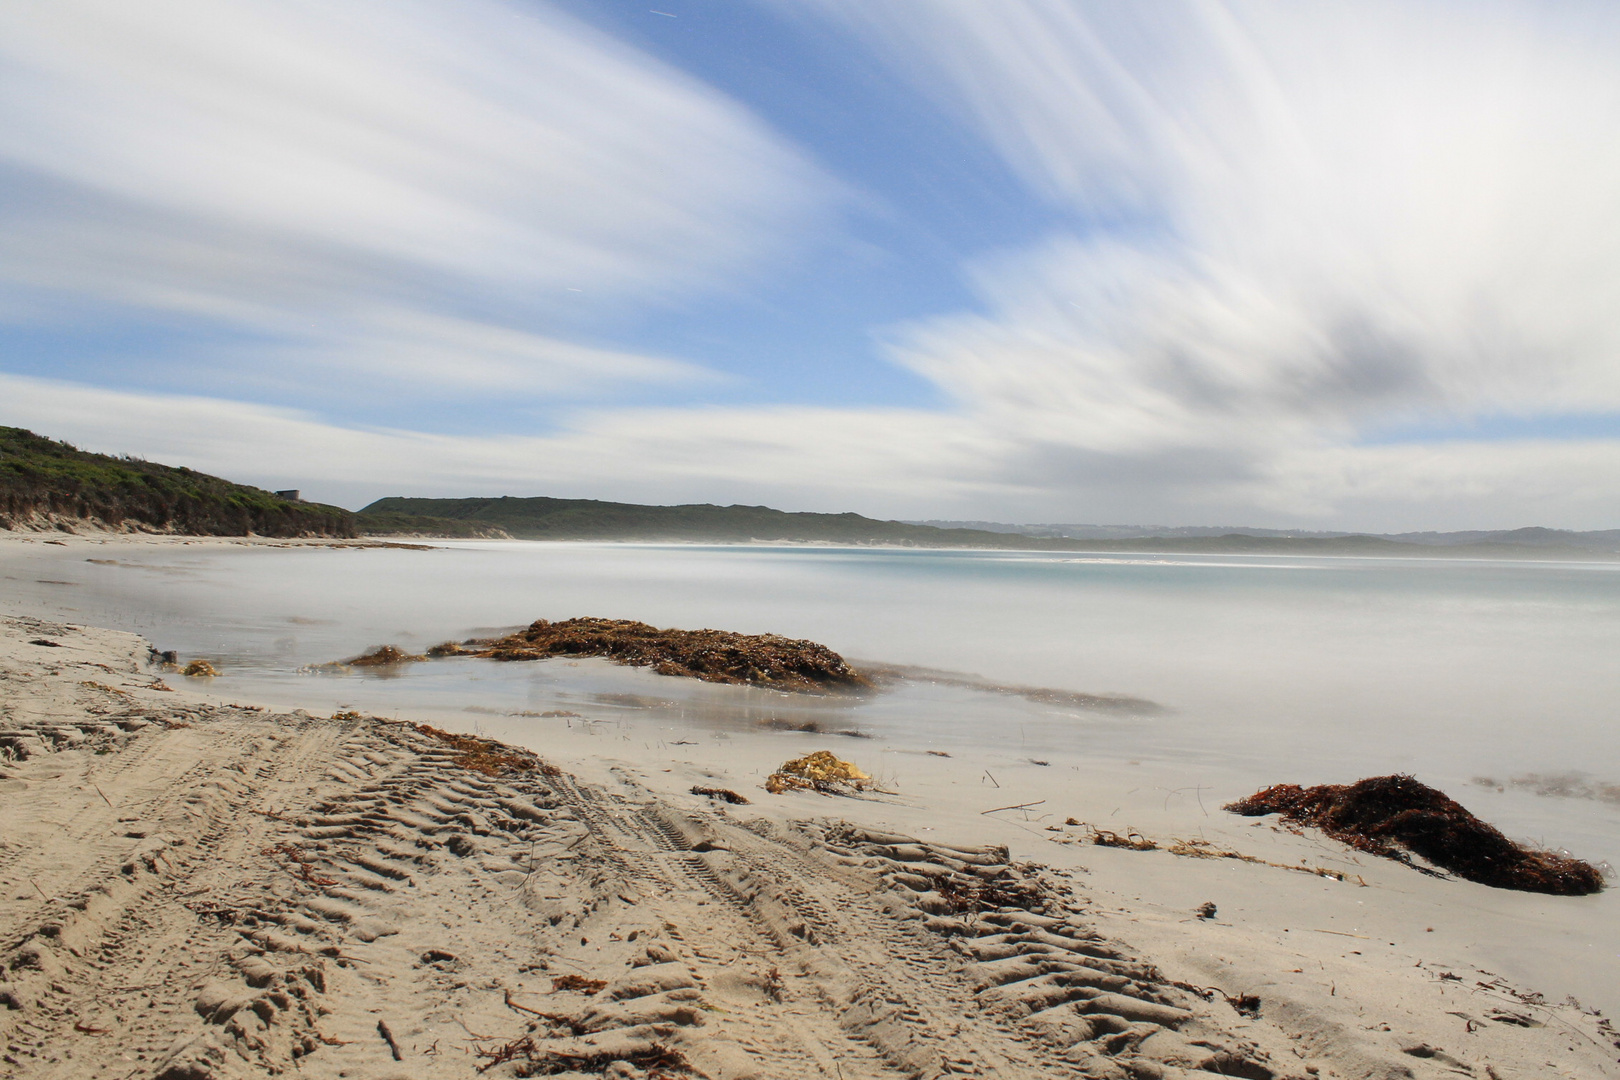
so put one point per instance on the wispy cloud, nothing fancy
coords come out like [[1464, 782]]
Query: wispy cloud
[[1290, 224], [346, 171]]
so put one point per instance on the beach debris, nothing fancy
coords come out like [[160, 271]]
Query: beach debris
[[1206, 910], [651, 1059], [1133, 840], [387, 1034], [488, 756], [200, 669], [723, 794], [719, 656], [384, 656], [578, 983], [820, 771], [1014, 806], [1247, 1004], [1398, 817], [47, 644]]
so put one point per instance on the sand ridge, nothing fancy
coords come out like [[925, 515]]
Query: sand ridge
[[192, 890]]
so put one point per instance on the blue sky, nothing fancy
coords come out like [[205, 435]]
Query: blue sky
[[1344, 265]]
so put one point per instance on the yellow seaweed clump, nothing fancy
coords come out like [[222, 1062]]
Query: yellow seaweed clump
[[200, 669], [820, 771]]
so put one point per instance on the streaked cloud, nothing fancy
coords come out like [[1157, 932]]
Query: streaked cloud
[[342, 172], [1289, 224]]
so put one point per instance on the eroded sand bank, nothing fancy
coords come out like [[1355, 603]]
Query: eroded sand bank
[[197, 890]]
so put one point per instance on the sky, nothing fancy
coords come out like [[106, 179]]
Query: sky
[[1340, 265]]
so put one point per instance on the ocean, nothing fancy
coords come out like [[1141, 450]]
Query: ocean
[[1497, 681]]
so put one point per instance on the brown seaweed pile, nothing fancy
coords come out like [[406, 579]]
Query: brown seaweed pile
[[719, 656], [1394, 815]]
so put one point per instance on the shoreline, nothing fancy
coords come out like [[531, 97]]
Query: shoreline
[[426, 542], [294, 876]]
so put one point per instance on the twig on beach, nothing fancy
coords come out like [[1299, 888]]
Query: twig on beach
[[1015, 806], [532, 866], [510, 1004], [103, 795], [388, 1037], [992, 779], [469, 1030], [39, 890]]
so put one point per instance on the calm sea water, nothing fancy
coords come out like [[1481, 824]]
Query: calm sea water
[[1267, 669]]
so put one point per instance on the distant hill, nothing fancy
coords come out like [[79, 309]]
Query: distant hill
[[589, 519], [46, 484], [1603, 540]]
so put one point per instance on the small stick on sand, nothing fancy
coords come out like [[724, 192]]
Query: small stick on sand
[[39, 890], [510, 1004], [1014, 806], [103, 795], [992, 779], [388, 1037]]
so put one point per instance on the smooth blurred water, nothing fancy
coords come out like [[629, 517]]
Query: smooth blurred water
[[1271, 669]]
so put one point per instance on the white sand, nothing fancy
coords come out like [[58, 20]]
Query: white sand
[[190, 890]]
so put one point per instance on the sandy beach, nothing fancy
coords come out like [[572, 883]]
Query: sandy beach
[[196, 886]]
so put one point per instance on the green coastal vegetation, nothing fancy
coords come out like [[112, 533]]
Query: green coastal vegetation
[[50, 484], [46, 484], [589, 519]]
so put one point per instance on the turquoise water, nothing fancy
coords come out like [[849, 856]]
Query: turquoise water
[[1267, 669]]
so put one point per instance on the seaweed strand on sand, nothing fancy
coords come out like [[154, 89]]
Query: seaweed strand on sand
[[1393, 815]]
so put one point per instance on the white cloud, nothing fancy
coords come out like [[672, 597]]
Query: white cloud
[[1291, 223], [340, 167], [405, 351]]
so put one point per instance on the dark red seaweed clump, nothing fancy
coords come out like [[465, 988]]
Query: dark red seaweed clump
[[711, 655], [1392, 815]]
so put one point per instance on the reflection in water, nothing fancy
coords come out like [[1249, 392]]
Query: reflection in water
[[1118, 703], [1567, 785]]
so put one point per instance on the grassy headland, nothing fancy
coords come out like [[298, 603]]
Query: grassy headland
[[50, 484]]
